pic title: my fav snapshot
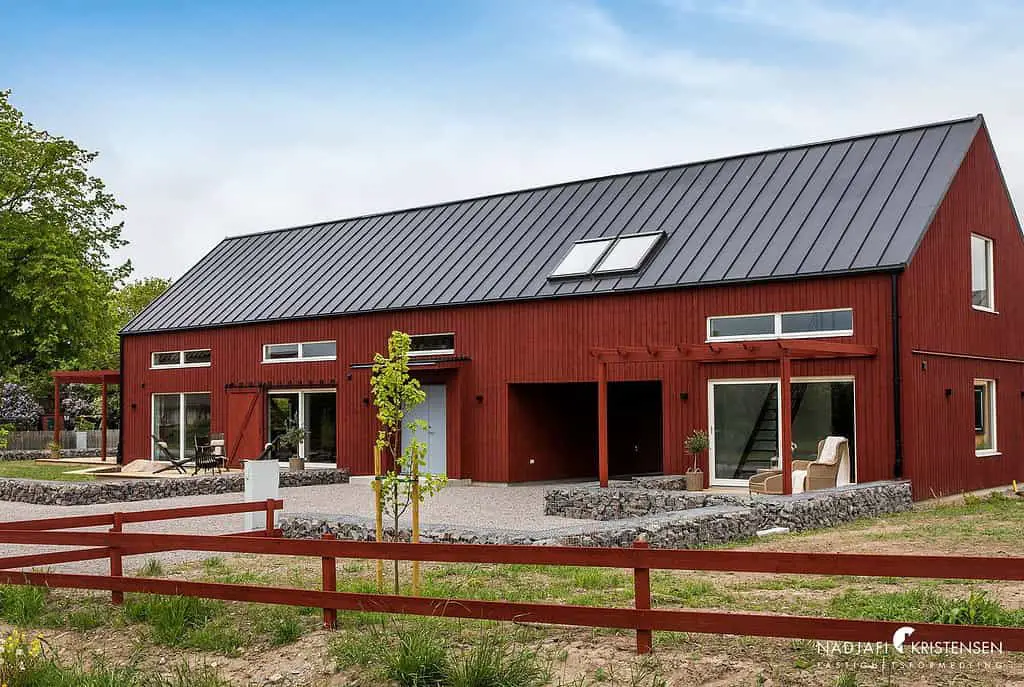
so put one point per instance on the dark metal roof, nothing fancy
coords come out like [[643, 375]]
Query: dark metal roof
[[848, 205]]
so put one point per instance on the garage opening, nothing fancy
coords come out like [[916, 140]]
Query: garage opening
[[553, 430]]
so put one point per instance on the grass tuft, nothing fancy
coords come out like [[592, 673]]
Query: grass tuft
[[152, 568], [496, 661], [975, 609], [22, 604], [418, 658], [280, 624]]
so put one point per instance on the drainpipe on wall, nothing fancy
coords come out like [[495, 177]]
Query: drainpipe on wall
[[120, 402], [897, 380]]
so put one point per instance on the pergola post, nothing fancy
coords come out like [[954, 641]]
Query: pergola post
[[602, 422], [103, 422], [57, 416], [786, 418]]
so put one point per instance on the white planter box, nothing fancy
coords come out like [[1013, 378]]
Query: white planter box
[[262, 478]]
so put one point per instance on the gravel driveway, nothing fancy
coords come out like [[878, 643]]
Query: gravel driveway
[[515, 508]]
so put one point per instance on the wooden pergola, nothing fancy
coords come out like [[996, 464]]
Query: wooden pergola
[[782, 350], [102, 377]]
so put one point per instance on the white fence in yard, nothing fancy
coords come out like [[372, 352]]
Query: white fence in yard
[[69, 439]]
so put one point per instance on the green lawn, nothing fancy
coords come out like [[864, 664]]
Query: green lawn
[[29, 469]]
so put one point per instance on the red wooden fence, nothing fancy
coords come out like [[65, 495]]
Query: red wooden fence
[[641, 559]]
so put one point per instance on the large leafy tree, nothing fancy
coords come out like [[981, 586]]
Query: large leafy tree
[[58, 228], [125, 303]]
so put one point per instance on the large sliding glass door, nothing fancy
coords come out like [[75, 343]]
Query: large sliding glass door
[[821, 408], [314, 410], [178, 419], [744, 421]]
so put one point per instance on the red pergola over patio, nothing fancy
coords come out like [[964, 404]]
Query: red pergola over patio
[[782, 350], [102, 377]]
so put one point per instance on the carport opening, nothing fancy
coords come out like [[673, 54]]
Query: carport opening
[[553, 430]]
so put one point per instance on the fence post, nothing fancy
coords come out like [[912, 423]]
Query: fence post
[[116, 597], [642, 597], [329, 565], [270, 517]]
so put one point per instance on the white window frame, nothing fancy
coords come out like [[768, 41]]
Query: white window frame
[[777, 334], [181, 358], [302, 393], [301, 358], [181, 417], [990, 385], [991, 290], [437, 351]]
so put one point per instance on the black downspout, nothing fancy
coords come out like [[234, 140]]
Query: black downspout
[[120, 402], [897, 379]]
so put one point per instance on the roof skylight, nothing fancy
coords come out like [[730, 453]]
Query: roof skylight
[[581, 258], [628, 253], [617, 254]]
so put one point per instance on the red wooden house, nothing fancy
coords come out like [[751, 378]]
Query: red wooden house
[[901, 245]]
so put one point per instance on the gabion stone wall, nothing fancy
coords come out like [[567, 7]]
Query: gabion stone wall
[[54, 493], [799, 511], [25, 454], [681, 529], [667, 520]]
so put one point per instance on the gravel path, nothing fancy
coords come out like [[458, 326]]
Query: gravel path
[[514, 508]]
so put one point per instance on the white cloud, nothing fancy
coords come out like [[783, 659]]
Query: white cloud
[[195, 166]]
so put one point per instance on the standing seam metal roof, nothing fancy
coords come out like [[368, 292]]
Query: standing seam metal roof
[[847, 205]]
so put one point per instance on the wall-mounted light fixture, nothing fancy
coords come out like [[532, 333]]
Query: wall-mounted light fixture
[[683, 396], [949, 392], [366, 401], [924, 364], [479, 398], [348, 377]]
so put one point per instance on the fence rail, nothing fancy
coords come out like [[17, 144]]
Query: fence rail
[[644, 620], [37, 440]]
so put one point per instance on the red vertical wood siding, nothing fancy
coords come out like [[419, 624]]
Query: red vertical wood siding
[[536, 341], [937, 316]]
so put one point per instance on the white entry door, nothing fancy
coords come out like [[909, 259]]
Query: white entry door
[[433, 411]]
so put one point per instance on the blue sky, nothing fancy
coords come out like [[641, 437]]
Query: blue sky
[[220, 118]]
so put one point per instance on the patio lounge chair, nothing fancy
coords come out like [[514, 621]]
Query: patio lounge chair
[[178, 464], [830, 469]]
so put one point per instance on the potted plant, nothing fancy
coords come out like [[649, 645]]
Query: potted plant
[[695, 445], [291, 440]]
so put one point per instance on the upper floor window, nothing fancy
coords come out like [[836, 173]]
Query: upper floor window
[[781, 325], [984, 417], [199, 357], [982, 294], [308, 350], [431, 344], [607, 255]]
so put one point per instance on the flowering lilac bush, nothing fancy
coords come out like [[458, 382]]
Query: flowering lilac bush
[[17, 405]]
